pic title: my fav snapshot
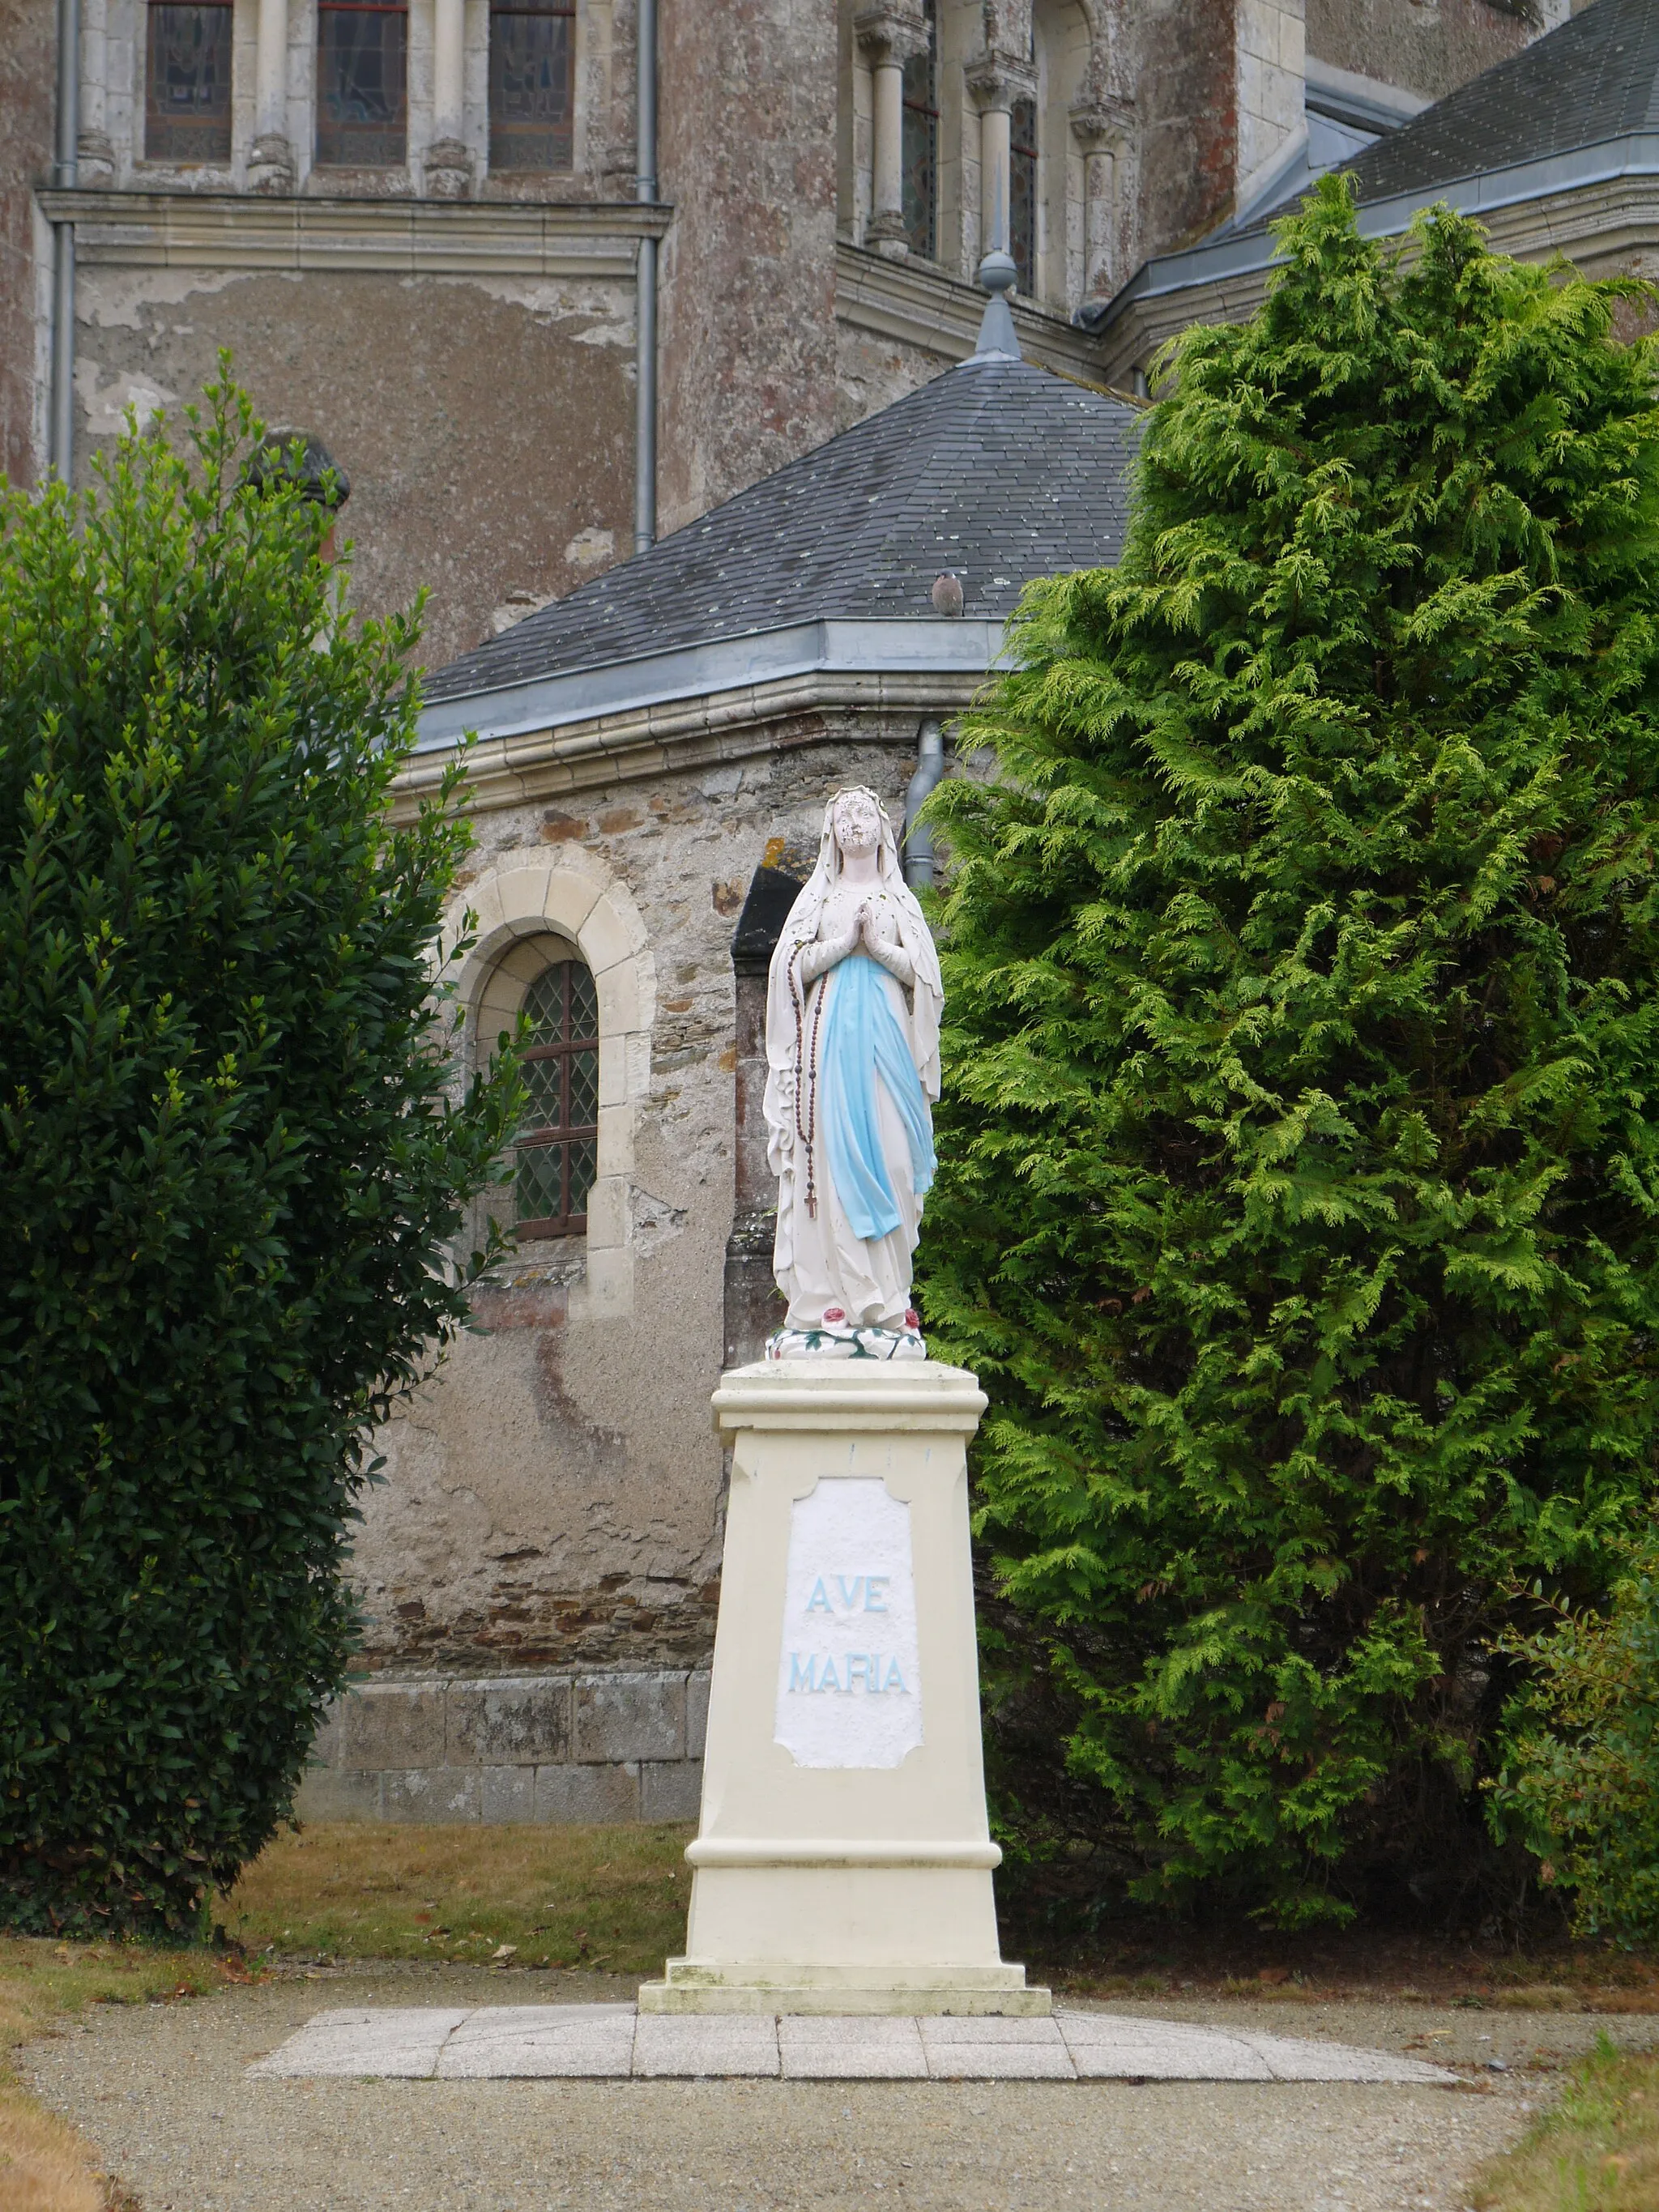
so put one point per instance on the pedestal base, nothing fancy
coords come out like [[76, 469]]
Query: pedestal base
[[931, 1992], [844, 1861]]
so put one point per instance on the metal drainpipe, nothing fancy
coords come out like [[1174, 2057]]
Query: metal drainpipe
[[918, 839], [645, 377], [60, 428]]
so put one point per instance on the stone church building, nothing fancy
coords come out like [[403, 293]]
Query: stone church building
[[675, 386]]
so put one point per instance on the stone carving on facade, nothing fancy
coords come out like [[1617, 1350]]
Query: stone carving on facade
[[851, 1041], [448, 169]]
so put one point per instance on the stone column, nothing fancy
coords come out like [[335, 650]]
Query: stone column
[[448, 159], [889, 37], [270, 166], [96, 157], [995, 81], [1101, 129]]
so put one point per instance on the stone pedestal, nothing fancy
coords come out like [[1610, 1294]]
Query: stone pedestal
[[843, 1861]]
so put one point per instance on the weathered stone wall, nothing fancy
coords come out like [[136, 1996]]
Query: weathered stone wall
[[541, 1747], [27, 61], [486, 426], [1427, 49], [553, 1499], [1182, 68], [748, 269], [872, 372]]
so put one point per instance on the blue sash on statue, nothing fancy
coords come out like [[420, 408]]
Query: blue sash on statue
[[862, 1039]]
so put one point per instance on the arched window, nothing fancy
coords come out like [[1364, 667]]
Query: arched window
[[533, 83], [187, 82], [919, 150], [1023, 191], [363, 83], [558, 1139]]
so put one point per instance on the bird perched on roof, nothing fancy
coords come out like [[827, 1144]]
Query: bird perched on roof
[[947, 593]]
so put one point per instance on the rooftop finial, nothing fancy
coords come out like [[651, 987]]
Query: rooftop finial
[[997, 340]]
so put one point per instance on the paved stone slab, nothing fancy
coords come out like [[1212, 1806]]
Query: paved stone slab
[[822, 2047], [1109, 2046], [386, 2041], [1000, 2062], [1292, 2059], [526, 2042], [596, 2042], [991, 2049], [705, 2043]]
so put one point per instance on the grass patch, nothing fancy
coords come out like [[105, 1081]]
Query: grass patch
[[1597, 2150], [44, 2165], [605, 1897]]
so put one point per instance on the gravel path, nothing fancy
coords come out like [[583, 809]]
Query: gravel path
[[162, 2093]]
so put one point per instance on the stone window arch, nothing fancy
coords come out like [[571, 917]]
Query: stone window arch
[[521, 913]]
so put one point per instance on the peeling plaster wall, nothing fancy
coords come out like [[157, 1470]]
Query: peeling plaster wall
[[554, 1498], [486, 425]]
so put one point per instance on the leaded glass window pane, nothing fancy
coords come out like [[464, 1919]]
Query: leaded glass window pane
[[584, 1087], [187, 84], [362, 54], [584, 1166], [541, 1188], [532, 84], [558, 1137], [1022, 192], [544, 1083], [544, 1003], [920, 148]]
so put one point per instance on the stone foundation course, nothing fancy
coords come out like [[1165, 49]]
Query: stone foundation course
[[560, 1748]]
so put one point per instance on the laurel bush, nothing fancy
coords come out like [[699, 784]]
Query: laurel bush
[[230, 1169]]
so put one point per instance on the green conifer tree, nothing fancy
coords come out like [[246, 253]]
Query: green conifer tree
[[1299, 1191]]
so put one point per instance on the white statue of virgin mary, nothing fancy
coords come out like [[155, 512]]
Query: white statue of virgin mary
[[852, 1049]]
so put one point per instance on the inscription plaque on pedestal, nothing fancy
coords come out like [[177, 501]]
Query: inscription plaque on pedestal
[[850, 1673]]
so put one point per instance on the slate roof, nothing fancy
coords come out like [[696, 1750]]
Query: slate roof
[[997, 469], [1592, 78]]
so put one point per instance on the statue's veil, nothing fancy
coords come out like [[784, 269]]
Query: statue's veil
[[926, 994]]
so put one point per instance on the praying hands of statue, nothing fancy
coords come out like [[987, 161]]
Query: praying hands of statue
[[893, 958], [864, 936]]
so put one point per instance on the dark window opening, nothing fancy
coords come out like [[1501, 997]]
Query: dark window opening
[[362, 85], [188, 83], [1023, 191], [920, 149], [532, 84], [558, 1142]]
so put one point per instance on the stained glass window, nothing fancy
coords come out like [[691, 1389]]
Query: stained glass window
[[187, 84], [1023, 191], [920, 145], [362, 92], [558, 1137], [533, 83]]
